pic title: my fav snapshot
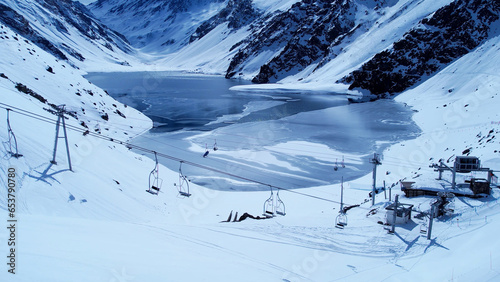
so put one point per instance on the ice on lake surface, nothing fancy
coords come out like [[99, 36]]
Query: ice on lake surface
[[285, 139]]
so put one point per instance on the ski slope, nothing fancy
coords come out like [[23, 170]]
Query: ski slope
[[97, 222]]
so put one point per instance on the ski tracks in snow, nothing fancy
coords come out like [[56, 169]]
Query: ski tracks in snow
[[266, 266]]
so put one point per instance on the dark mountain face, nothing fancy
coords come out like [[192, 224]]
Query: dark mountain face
[[156, 25], [236, 14], [64, 14], [438, 40], [19, 24], [303, 34], [81, 18]]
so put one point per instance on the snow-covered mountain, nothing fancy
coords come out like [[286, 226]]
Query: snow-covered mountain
[[293, 40], [67, 30], [435, 42], [156, 25], [266, 41]]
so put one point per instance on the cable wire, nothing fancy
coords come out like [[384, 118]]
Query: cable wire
[[166, 156]]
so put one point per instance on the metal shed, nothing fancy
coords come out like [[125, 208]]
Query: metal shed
[[403, 213], [480, 186]]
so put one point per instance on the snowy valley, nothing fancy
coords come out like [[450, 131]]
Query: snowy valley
[[435, 63]]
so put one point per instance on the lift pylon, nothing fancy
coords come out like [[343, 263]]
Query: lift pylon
[[61, 119]]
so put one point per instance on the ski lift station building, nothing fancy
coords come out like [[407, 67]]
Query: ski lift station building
[[403, 213], [466, 164], [479, 186]]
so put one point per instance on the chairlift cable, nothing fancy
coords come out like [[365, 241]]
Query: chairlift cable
[[146, 150]]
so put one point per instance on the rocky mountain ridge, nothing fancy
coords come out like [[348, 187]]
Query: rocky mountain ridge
[[435, 42], [299, 37], [64, 28]]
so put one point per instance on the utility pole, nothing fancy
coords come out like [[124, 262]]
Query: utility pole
[[453, 174], [440, 175], [375, 161], [60, 117], [342, 195], [431, 217], [390, 190], [393, 228], [443, 167]]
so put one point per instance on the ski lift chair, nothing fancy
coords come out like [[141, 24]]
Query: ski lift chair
[[12, 139], [280, 206], [215, 146], [423, 228], [183, 184], [155, 181], [341, 220], [206, 151], [269, 206]]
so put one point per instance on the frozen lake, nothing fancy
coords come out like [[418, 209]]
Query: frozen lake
[[283, 138]]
